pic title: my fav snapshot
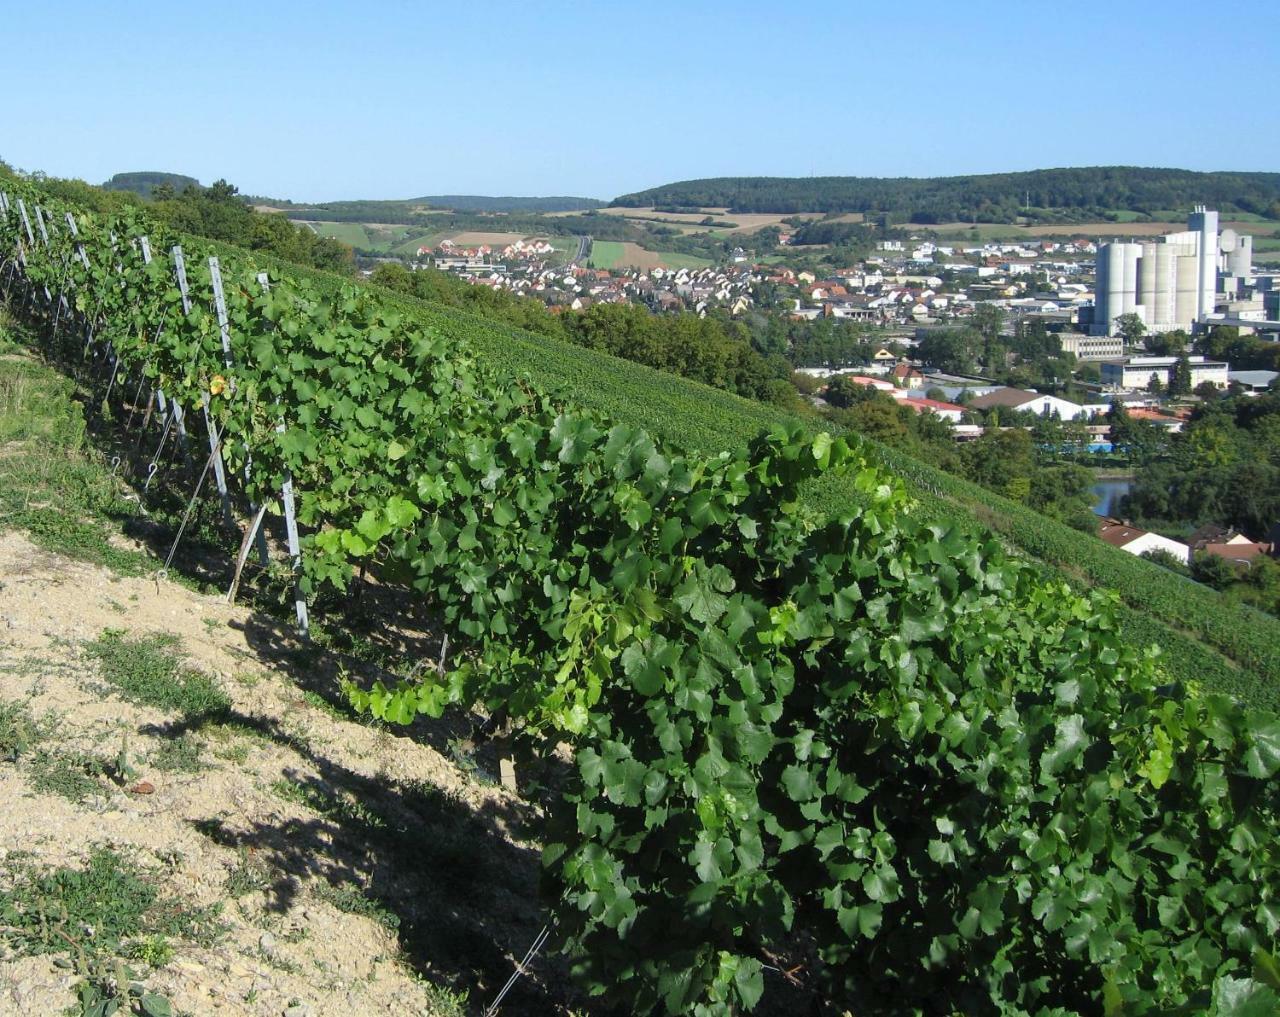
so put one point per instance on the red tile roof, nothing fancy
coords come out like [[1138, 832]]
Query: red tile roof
[[1238, 552], [1117, 534]]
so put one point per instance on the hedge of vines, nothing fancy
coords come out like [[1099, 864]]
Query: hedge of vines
[[870, 746], [1218, 644]]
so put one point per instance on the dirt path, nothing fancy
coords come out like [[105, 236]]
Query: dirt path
[[316, 834]]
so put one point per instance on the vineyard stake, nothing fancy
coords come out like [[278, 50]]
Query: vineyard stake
[[215, 446]]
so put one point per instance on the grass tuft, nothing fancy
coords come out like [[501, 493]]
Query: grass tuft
[[19, 731], [72, 775], [350, 899], [148, 670], [181, 755], [93, 910]]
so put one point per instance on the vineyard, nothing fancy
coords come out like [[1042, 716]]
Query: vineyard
[[1207, 640], [812, 735]]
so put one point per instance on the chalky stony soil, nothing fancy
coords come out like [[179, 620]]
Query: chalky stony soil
[[293, 806]]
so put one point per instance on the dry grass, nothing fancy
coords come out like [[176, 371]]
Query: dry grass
[[635, 256], [651, 214]]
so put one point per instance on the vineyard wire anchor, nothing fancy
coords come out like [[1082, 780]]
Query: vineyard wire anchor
[[254, 530], [521, 968], [155, 460], [186, 516]]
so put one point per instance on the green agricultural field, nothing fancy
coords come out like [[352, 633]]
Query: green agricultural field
[[980, 233], [605, 253], [415, 238], [348, 232], [613, 254], [380, 237], [566, 247], [673, 259]]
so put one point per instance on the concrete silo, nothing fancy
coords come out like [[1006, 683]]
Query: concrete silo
[[1172, 282], [1130, 255], [1187, 298], [1240, 261], [1205, 223], [1117, 285], [1159, 285]]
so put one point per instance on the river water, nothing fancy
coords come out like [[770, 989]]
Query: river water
[[1107, 495]]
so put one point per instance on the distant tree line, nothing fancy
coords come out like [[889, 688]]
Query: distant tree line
[[216, 212], [822, 342], [1223, 467], [1040, 195]]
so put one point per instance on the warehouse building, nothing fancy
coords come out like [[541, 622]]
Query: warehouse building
[[1136, 372]]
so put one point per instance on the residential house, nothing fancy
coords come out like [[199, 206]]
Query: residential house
[[1026, 401], [1139, 542], [950, 412], [907, 376]]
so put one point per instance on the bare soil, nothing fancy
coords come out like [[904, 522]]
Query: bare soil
[[375, 813]]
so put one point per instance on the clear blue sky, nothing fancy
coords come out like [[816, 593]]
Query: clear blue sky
[[391, 98]]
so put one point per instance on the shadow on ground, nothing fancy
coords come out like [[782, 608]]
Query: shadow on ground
[[463, 897]]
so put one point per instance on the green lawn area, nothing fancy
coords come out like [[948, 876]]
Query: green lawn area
[[416, 238], [605, 253], [612, 253], [348, 232]]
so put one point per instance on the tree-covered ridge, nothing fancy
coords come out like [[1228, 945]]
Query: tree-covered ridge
[[1043, 195], [144, 183]]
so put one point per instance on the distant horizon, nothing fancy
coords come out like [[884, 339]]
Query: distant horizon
[[330, 101], [606, 199]]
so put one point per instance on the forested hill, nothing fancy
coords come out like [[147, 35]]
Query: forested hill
[[145, 183], [1051, 195]]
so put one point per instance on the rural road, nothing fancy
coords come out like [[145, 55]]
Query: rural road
[[584, 244]]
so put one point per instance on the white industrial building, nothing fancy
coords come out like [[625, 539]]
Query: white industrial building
[[1170, 282], [1025, 401], [1092, 347], [1136, 372]]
